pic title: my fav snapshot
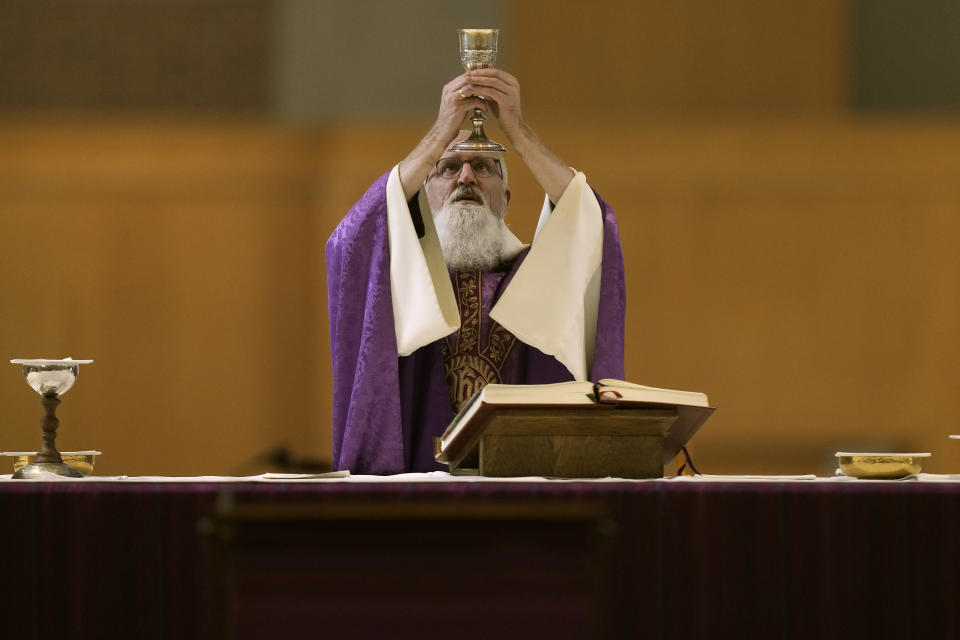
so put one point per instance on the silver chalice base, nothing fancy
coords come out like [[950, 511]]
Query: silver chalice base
[[478, 145], [37, 469]]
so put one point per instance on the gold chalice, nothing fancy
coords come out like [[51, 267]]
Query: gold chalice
[[51, 379], [478, 50]]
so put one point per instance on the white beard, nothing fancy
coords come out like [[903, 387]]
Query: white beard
[[471, 236]]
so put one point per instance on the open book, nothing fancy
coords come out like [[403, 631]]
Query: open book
[[692, 408]]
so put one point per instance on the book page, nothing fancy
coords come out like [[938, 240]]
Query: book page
[[640, 393]]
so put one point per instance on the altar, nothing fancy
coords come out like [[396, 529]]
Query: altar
[[427, 555]]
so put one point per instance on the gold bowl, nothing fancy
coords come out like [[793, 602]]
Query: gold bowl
[[82, 461], [880, 465]]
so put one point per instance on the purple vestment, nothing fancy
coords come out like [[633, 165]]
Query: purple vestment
[[387, 409]]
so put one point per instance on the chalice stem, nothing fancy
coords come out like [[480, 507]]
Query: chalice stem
[[477, 121], [49, 423]]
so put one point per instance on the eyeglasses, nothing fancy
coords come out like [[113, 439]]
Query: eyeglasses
[[449, 168]]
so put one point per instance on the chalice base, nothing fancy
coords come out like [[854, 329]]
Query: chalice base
[[37, 469], [478, 145]]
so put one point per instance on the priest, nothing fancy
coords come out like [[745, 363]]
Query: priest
[[431, 296]]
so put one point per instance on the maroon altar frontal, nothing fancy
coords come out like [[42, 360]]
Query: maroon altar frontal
[[660, 559]]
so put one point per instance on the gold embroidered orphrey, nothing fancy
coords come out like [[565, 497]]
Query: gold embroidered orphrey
[[470, 366]]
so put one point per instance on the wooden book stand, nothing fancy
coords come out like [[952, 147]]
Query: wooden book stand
[[570, 442]]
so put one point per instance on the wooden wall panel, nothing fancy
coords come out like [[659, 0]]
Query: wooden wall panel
[[180, 258]]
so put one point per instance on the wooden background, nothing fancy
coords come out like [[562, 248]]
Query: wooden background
[[789, 257]]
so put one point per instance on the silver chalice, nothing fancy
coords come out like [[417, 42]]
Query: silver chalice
[[478, 50], [51, 379]]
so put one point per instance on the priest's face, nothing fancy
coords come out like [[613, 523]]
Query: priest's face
[[479, 180]]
